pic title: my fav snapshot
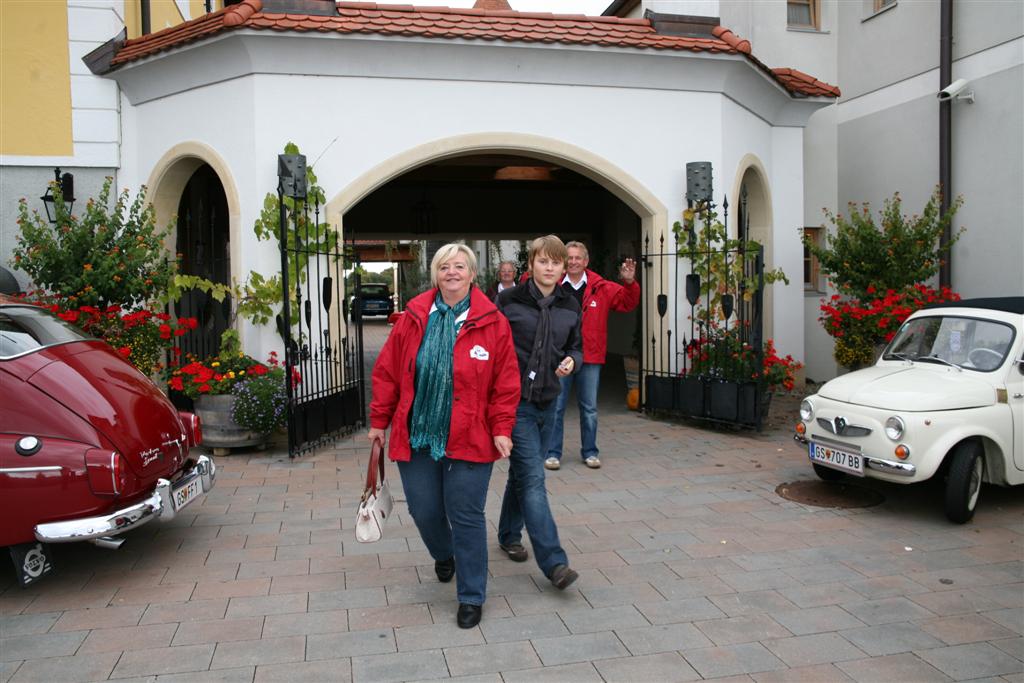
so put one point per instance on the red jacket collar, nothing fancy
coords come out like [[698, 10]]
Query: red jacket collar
[[480, 307]]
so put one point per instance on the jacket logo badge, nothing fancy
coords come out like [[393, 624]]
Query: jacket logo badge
[[479, 352], [593, 304]]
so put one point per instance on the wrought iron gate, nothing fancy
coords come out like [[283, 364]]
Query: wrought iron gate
[[704, 355], [323, 350]]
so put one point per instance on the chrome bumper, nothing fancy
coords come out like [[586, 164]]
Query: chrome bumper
[[157, 506], [902, 469]]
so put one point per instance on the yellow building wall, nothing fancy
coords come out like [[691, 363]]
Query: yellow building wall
[[35, 81]]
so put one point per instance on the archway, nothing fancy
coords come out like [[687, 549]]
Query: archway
[[752, 197], [191, 186]]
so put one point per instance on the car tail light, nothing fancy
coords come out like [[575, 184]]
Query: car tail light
[[107, 471], [193, 428]]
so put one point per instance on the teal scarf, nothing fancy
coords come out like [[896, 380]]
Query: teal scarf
[[432, 405]]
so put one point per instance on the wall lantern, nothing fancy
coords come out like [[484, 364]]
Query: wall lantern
[[66, 182]]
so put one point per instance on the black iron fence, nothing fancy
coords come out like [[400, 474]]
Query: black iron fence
[[323, 350], [703, 295]]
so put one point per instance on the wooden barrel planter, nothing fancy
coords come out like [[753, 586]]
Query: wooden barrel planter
[[220, 431]]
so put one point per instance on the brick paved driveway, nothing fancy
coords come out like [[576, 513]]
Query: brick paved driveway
[[691, 568]]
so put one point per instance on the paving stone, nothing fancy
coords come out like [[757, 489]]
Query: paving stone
[[547, 603], [757, 580], [334, 670], [601, 619], [477, 659], [904, 667], [36, 646], [400, 666], [819, 648], [887, 587], [99, 617], [820, 595], [433, 636], [196, 610], [266, 604], [579, 648], [732, 660], [256, 652], [886, 610], [529, 627], [219, 631], [83, 667], [303, 623], [742, 629], [239, 675], [752, 602], [128, 638], [322, 601], [26, 624], [232, 589], [968, 628], [1011, 646], [7, 670], [388, 617], [667, 667], [949, 603], [890, 639], [151, 595], [566, 673], [654, 639], [816, 620], [607, 596], [354, 644], [677, 611], [821, 673], [165, 660], [699, 586], [1012, 619]]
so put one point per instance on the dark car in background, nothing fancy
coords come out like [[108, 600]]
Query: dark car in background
[[375, 299]]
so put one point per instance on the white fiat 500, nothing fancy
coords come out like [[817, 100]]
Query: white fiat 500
[[946, 399]]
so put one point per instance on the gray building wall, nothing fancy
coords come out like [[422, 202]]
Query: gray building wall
[[30, 182]]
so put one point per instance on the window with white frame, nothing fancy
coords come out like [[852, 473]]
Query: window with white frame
[[803, 13]]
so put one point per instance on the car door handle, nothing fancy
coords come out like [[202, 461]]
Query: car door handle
[[1018, 395]]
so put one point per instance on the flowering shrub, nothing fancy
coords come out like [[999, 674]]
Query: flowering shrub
[[858, 326], [142, 336], [220, 374], [260, 401], [724, 356]]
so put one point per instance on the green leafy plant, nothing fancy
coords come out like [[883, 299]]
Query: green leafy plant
[[260, 402], [895, 253], [113, 255]]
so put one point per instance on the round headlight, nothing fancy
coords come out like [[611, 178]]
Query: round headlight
[[806, 410], [894, 428]]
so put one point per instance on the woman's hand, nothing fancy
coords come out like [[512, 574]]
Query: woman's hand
[[504, 445], [564, 368], [376, 435]]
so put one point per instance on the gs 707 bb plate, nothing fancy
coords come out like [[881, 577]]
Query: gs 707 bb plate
[[836, 459]]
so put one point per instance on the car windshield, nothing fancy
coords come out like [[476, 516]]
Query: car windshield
[[28, 328], [968, 343], [375, 290]]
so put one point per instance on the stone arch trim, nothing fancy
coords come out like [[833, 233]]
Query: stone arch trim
[[600, 170], [169, 176]]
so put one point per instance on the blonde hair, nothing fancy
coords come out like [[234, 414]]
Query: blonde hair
[[447, 253], [579, 245], [548, 245]]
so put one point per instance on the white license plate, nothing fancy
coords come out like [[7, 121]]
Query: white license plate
[[186, 492], [837, 459]]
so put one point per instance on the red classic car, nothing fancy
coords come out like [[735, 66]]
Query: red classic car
[[89, 447]]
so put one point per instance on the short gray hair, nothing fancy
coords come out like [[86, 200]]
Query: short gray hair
[[447, 253], [579, 245]]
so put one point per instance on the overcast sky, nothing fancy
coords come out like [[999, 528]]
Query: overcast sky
[[590, 7]]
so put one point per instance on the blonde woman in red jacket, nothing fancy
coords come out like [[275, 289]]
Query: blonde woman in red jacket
[[447, 383]]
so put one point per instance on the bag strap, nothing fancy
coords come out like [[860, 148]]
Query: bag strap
[[375, 467]]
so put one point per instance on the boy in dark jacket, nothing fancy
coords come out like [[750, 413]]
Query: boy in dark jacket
[[545, 322]]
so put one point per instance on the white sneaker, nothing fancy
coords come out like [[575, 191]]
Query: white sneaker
[[592, 462], [552, 464]]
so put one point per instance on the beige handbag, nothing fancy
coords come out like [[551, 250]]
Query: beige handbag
[[376, 504]]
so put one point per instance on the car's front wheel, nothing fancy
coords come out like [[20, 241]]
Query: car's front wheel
[[963, 483], [826, 473]]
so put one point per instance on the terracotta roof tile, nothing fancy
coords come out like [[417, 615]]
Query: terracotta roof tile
[[487, 21]]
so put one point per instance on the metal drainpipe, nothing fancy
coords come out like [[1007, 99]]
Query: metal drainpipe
[[946, 135], [144, 16]]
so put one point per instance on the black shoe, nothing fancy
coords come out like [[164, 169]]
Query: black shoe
[[445, 569], [468, 616], [562, 577], [515, 551]]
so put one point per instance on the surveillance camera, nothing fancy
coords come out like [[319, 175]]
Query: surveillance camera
[[954, 89]]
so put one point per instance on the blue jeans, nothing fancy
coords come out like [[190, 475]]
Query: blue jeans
[[526, 499], [446, 500], [587, 381]]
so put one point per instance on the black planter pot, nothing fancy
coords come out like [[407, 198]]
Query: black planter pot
[[661, 393], [724, 397], [691, 397]]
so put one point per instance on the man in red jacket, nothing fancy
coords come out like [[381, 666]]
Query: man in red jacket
[[598, 297]]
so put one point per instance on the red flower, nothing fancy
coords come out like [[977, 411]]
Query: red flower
[[164, 317], [125, 351], [258, 370], [165, 331], [177, 384], [204, 388], [69, 316]]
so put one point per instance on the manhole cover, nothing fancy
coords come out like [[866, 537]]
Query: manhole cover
[[829, 494]]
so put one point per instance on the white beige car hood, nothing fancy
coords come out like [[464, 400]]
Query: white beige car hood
[[910, 388]]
